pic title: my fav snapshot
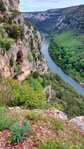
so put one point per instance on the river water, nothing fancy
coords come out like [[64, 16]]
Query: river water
[[56, 69]]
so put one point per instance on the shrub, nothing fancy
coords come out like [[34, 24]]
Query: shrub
[[33, 116], [14, 12], [52, 145], [29, 57], [36, 74], [18, 132], [57, 124], [12, 61], [28, 23], [5, 44], [34, 82], [2, 6], [6, 119], [17, 68], [15, 31], [21, 94]]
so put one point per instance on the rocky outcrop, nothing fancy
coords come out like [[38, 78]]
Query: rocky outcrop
[[23, 52], [79, 121], [52, 112]]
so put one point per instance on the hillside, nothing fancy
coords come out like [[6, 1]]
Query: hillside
[[38, 110], [51, 20], [67, 41], [44, 130], [20, 43]]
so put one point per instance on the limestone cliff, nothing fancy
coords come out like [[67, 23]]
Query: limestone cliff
[[20, 43], [64, 18]]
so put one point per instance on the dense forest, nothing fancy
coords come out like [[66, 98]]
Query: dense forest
[[67, 50]]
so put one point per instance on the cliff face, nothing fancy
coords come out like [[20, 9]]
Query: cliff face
[[20, 43], [54, 19]]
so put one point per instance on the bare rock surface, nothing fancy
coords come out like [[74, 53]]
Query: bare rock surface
[[79, 121]]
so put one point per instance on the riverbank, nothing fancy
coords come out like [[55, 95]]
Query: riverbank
[[56, 69], [67, 51]]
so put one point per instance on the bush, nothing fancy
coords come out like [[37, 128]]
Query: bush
[[53, 145], [29, 57], [14, 12], [5, 44], [12, 61], [15, 31], [36, 74], [6, 119], [2, 6], [16, 94], [18, 132], [34, 82], [17, 68], [33, 116], [57, 124]]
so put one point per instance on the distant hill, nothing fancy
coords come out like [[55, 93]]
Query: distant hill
[[57, 18]]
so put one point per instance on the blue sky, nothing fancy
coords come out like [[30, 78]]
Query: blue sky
[[39, 5]]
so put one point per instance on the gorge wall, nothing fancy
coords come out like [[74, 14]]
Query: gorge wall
[[54, 19], [20, 43]]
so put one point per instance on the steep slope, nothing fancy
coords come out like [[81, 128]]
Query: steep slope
[[66, 45], [20, 43], [58, 18]]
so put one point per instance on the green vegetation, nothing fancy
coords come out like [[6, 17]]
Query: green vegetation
[[57, 124], [6, 119], [12, 61], [15, 31], [18, 132], [28, 23], [17, 68], [66, 97], [67, 50], [14, 12], [5, 44], [21, 94], [64, 143], [31, 115], [2, 6], [29, 58], [30, 94]]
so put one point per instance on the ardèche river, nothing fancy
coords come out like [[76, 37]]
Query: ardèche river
[[56, 69]]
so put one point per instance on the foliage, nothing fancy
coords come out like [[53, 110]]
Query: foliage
[[31, 115], [30, 93], [57, 124], [34, 82], [67, 50], [18, 132], [21, 94], [28, 23], [14, 12], [6, 119], [12, 61], [2, 6], [5, 44], [66, 97], [15, 31], [29, 58], [64, 143], [17, 68], [36, 74]]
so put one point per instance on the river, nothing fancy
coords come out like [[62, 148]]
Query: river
[[56, 69]]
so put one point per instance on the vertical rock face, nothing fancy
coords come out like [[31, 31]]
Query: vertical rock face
[[20, 44]]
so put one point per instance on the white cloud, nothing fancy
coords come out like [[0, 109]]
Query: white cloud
[[37, 5]]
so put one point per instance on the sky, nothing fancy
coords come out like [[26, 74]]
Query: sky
[[41, 5]]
